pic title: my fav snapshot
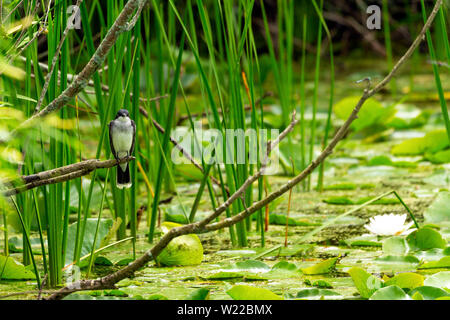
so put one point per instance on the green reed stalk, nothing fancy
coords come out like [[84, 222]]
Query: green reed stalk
[[315, 95], [303, 99], [165, 143], [94, 243], [331, 99], [437, 77]]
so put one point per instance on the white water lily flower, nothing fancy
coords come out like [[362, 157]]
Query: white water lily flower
[[389, 225]]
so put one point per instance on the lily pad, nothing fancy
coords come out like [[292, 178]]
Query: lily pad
[[374, 114], [366, 283], [368, 240], [243, 292], [390, 293], [407, 280], [284, 266], [439, 210], [398, 259], [432, 142], [224, 275], [317, 294], [199, 294], [10, 269], [15, 244], [321, 267], [91, 225], [185, 250], [395, 246], [442, 263], [429, 292], [426, 238], [252, 265], [440, 280]]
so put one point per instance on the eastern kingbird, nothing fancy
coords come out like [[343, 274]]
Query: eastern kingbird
[[122, 132]]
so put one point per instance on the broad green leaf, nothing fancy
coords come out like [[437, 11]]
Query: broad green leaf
[[429, 292], [317, 294], [10, 269], [398, 259], [243, 292], [321, 267], [407, 280], [284, 266], [366, 283], [341, 186], [432, 142], [426, 238], [442, 263], [280, 219], [91, 225], [223, 275], [439, 210], [102, 261], [440, 280], [439, 157], [199, 294], [390, 293], [395, 246], [184, 250], [252, 265], [365, 240], [417, 296], [374, 114], [15, 244]]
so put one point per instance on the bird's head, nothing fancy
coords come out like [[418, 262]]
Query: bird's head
[[122, 113]]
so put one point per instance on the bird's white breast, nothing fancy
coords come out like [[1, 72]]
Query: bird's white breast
[[122, 136]]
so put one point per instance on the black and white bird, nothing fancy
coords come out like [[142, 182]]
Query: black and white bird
[[122, 133]]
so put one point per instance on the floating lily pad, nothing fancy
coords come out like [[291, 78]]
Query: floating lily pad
[[373, 114], [199, 294], [440, 280], [341, 186], [366, 283], [398, 259], [280, 219], [224, 275], [317, 294], [91, 225], [432, 142], [243, 292], [321, 267], [185, 250], [395, 246], [252, 265], [439, 157], [439, 210], [284, 266], [407, 280], [426, 238], [367, 240], [10, 269], [429, 292], [390, 293], [442, 263], [15, 244]]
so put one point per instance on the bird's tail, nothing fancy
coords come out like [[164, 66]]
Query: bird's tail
[[123, 177]]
